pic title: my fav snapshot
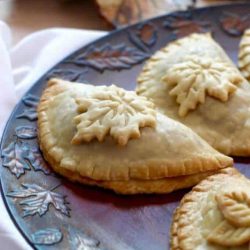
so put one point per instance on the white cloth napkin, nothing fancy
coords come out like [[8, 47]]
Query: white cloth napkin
[[20, 67]]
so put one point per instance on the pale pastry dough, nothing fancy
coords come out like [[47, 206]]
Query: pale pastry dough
[[165, 151], [244, 55], [207, 216], [195, 77], [193, 81], [112, 110]]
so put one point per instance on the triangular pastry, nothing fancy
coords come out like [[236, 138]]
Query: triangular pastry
[[111, 137], [244, 55], [193, 81], [214, 215]]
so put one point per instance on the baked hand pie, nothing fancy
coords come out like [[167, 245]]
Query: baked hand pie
[[215, 215], [193, 81], [110, 137], [244, 55]]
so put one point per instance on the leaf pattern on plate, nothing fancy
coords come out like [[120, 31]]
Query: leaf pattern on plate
[[79, 240], [234, 24], [26, 132], [36, 200], [72, 75], [144, 37], [48, 236], [14, 160], [183, 24], [34, 156], [19, 156], [30, 112], [112, 57]]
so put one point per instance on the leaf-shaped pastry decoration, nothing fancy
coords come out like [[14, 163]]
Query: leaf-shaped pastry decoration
[[26, 132], [227, 235], [36, 200], [14, 160], [115, 111], [234, 24], [235, 206], [30, 112], [195, 77], [110, 57], [244, 55], [48, 236]]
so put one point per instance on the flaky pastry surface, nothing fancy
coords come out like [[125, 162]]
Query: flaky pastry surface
[[244, 55], [193, 81], [167, 150], [110, 110], [211, 216]]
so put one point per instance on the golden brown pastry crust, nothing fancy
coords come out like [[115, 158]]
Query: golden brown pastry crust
[[222, 121], [190, 227], [91, 163], [161, 186], [244, 55]]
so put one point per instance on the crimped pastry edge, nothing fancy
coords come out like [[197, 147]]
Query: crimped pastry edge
[[56, 86], [202, 187]]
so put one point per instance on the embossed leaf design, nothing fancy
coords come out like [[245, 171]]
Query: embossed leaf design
[[48, 236], [145, 36], [113, 57], [227, 235], [67, 74], [30, 100], [183, 24], [112, 110], [29, 113], [79, 240], [13, 158], [34, 156], [148, 34], [235, 207], [234, 24], [26, 132], [20, 156], [195, 77], [36, 200]]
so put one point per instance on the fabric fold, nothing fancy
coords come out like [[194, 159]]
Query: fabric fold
[[21, 66]]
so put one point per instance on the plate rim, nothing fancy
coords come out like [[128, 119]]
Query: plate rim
[[109, 34]]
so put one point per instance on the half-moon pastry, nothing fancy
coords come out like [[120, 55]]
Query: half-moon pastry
[[215, 215], [193, 81], [244, 55], [111, 137]]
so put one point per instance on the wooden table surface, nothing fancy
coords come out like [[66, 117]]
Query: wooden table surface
[[27, 16]]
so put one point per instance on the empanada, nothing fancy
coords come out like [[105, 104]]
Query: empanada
[[110, 137], [193, 81], [214, 215], [244, 55]]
